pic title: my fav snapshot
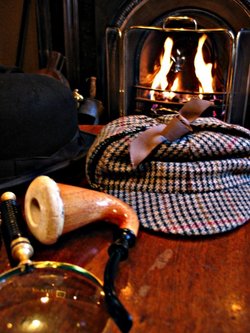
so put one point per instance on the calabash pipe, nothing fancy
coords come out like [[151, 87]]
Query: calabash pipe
[[52, 209]]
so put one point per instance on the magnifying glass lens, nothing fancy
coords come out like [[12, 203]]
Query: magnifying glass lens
[[51, 300]]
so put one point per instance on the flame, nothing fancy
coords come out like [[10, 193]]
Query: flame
[[160, 80], [170, 94], [203, 71]]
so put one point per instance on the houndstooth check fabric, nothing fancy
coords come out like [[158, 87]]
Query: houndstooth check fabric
[[196, 185]]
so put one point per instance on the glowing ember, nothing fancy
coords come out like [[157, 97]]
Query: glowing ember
[[170, 94]]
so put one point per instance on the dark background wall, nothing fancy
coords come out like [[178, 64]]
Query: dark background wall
[[10, 19], [94, 16]]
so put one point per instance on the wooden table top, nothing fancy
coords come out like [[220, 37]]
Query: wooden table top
[[169, 284]]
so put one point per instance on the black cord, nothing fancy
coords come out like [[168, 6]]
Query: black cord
[[118, 251], [115, 307]]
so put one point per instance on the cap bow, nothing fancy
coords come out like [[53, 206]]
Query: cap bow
[[146, 141]]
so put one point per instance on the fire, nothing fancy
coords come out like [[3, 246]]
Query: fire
[[160, 80], [203, 72], [170, 94]]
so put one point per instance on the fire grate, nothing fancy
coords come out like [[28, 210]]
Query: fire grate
[[155, 107]]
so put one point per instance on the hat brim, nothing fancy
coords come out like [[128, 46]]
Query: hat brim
[[190, 214], [57, 165]]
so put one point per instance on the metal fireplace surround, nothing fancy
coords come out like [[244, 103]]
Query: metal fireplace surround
[[227, 22]]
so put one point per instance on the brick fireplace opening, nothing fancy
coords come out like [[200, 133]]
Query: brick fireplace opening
[[131, 36]]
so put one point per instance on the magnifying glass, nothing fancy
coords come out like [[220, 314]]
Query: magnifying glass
[[51, 297]]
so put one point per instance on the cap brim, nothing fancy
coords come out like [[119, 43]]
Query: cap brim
[[190, 214]]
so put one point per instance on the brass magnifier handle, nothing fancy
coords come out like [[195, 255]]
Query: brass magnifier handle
[[21, 249]]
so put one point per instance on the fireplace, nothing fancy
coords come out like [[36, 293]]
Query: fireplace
[[164, 67], [156, 56]]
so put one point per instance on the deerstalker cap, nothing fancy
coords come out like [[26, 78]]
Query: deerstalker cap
[[198, 184], [38, 128]]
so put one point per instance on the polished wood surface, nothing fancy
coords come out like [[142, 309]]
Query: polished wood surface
[[168, 284]]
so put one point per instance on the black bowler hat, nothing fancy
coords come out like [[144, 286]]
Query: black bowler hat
[[39, 131]]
